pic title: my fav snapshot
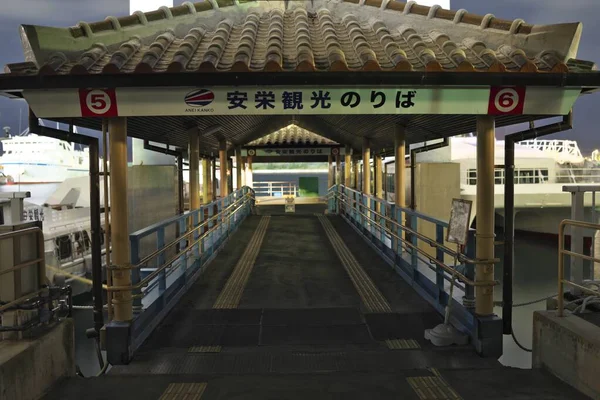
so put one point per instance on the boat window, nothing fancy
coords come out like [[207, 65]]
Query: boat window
[[63, 247], [523, 176], [86, 240]]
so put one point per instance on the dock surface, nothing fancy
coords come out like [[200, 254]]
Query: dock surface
[[300, 307]]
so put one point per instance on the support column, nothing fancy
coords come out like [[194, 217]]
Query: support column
[[249, 176], [484, 296], [366, 181], [243, 169], [238, 167], [348, 166], [223, 166], [214, 179], [338, 169], [122, 301], [207, 181], [329, 171], [355, 181], [194, 170], [378, 179], [400, 167]]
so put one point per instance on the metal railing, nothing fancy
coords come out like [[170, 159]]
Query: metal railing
[[41, 270], [160, 277], [275, 189], [394, 231], [562, 252]]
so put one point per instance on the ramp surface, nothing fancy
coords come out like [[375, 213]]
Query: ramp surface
[[316, 315]]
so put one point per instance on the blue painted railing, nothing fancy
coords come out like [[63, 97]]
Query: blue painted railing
[[382, 223], [170, 268]]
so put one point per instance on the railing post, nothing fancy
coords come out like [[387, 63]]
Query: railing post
[[439, 272], [182, 231], [160, 260], [135, 272], [196, 235], [469, 299], [414, 254], [398, 214]]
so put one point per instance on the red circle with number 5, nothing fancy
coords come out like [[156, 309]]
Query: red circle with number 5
[[98, 102], [506, 100]]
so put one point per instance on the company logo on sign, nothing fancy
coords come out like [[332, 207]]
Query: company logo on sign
[[98, 103], [506, 100], [199, 98]]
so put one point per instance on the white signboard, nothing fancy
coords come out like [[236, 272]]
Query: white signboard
[[169, 101], [313, 151], [460, 216]]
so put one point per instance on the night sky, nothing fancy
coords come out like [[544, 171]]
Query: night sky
[[69, 12]]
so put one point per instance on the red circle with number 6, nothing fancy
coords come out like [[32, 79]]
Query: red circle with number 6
[[506, 100]]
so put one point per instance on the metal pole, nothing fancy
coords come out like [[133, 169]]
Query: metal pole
[[366, 188], [484, 295], [180, 204], [330, 171], [338, 169], [122, 300], [109, 295], [509, 234], [96, 233], [347, 166], [238, 167], [214, 179], [194, 170]]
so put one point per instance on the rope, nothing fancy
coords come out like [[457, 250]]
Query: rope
[[528, 303]]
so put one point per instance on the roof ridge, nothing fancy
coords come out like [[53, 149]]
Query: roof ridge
[[488, 21]]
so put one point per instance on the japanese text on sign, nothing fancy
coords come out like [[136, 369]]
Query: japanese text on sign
[[294, 100]]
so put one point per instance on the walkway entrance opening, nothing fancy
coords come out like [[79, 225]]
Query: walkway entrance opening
[[361, 79]]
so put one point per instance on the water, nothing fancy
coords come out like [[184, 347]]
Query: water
[[535, 277]]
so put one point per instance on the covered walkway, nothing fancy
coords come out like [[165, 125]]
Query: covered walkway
[[298, 307], [233, 301]]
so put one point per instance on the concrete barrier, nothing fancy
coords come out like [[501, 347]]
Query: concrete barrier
[[29, 367], [569, 347]]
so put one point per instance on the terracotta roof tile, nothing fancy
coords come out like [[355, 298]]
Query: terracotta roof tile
[[331, 35]]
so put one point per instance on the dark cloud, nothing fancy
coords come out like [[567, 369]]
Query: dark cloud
[[69, 12]]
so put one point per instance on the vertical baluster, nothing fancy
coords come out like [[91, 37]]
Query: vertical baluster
[[439, 272], [160, 260], [414, 257], [196, 235], [183, 223], [135, 272]]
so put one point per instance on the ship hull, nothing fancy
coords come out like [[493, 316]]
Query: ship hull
[[32, 173]]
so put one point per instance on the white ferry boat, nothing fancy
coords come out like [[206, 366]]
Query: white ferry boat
[[29, 158], [542, 168]]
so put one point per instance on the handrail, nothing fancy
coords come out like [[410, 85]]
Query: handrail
[[406, 244], [561, 264], [461, 257], [41, 270], [144, 282], [180, 238]]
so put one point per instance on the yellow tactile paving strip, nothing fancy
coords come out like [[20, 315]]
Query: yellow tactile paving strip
[[184, 391], [402, 344], [232, 293], [205, 349], [371, 297], [432, 387]]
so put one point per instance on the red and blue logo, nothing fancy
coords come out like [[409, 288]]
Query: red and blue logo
[[199, 98]]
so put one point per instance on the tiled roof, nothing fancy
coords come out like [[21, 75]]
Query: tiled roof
[[291, 135], [322, 35]]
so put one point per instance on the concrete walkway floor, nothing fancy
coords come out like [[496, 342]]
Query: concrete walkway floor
[[296, 307]]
